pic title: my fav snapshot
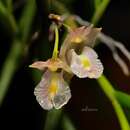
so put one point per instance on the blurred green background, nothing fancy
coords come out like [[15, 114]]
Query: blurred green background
[[19, 20]]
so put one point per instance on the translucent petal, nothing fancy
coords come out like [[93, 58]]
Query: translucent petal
[[76, 66], [90, 66], [96, 70], [52, 91], [97, 67], [79, 34], [41, 91], [90, 53], [39, 65], [51, 64], [63, 94]]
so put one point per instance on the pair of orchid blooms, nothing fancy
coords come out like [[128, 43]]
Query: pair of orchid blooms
[[75, 57]]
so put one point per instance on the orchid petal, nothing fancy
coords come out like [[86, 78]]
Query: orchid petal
[[41, 65], [41, 91], [52, 91], [86, 64], [63, 94], [51, 64]]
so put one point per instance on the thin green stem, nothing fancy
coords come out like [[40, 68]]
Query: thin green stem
[[55, 51], [110, 93]]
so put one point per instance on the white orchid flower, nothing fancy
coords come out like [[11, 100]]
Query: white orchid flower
[[86, 64], [53, 91]]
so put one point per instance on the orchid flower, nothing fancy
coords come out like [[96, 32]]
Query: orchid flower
[[75, 58], [82, 59], [86, 64], [52, 91]]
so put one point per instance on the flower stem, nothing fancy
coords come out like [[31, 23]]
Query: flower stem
[[52, 119], [55, 51]]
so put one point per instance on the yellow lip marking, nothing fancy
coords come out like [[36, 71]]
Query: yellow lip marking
[[85, 61], [53, 87]]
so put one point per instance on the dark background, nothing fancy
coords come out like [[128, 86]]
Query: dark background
[[20, 109]]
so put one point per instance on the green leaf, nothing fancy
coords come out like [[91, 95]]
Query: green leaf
[[27, 20], [9, 67], [97, 3], [7, 19], [109, 90], [10, 5], [16, 52], [100, 9], [123, 98]]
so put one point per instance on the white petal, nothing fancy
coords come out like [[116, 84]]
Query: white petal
[[95, 67], [63, 94], [90, 53], [96, 70], [76, 65], [48, 99], [41, 91]]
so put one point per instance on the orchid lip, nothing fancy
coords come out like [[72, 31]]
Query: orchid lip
[[52, 91], [86, 64]]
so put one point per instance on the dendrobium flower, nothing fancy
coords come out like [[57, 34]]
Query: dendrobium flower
[[86, 64], [74, 58], [82, 59], [52, 91]]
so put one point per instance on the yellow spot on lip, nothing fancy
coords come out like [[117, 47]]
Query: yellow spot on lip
[[53, 87], [85, 61]]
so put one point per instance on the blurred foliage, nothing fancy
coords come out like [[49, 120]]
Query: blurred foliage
[[21, 32], [18, 45]]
